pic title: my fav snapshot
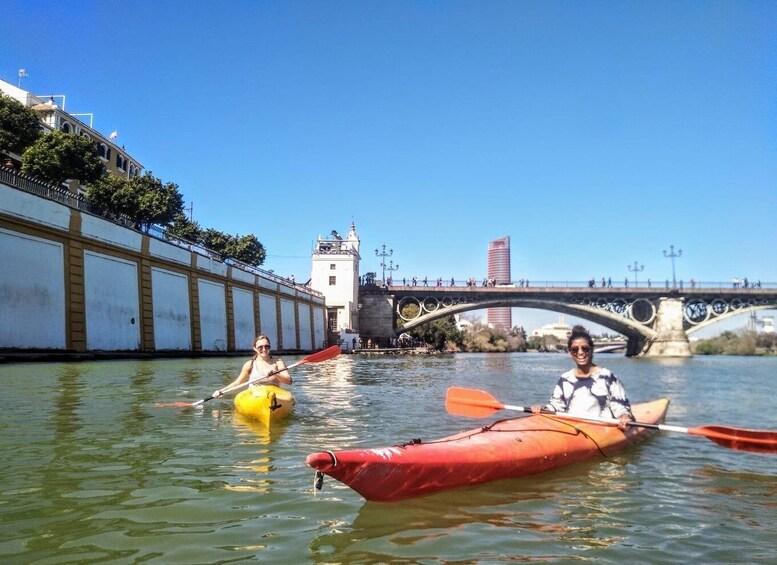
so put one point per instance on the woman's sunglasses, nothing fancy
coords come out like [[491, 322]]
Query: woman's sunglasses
[[575, 350], [267, 347]]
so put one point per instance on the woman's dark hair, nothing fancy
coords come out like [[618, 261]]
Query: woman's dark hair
[[580, 332]]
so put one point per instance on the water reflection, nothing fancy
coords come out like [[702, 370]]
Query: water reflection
[[573, 506], [93, 472]]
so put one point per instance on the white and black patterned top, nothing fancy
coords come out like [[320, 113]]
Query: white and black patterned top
[[601, 395]]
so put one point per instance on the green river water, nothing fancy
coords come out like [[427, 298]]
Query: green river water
[[94, 472]]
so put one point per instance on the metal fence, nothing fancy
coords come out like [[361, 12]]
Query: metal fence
[[15, 179]]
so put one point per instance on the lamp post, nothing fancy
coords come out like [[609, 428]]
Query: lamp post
[[635, 270], [383, 254], [672, 254], [391, 268]]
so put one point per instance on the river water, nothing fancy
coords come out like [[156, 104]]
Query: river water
[[94, 472]]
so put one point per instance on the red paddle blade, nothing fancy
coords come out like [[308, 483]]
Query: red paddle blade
[[325, 355], [176, 404], [758, 441], [471, 402]]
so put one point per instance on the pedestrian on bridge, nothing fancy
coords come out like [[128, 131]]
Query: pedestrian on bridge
[[588, 389]]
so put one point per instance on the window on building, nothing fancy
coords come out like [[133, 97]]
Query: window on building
[[332, 281], [102, 150], [65, 127], [332, 266]]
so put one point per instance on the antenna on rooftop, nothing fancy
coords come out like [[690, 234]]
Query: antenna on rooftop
[[22, 74]]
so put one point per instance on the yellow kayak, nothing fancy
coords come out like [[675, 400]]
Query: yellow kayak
[[266, 403]]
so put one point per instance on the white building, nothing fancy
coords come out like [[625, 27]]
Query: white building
[[335, 274], [559, 330], [53, 117]]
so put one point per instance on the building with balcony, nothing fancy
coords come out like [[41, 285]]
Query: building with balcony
[[335, 274], [53, 117]]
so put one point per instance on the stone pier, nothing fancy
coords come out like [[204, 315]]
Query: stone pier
[[671, 340]]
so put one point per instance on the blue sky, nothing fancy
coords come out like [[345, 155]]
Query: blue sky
[[594, 134]]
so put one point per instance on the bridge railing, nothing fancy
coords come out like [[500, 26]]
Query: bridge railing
[[665, 284]]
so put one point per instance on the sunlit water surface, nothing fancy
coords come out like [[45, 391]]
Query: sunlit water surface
[[94, 472]]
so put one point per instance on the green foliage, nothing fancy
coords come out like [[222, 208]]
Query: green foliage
[[246, 248], [183, 228], [546, 343], [482, 338], [58, 156], [111, 195], [708, 347], [440, 334], [19, 126], [216, 240], [742, 343], [144, 199], [157, 203]]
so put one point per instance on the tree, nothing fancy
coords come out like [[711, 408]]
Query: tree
[[19, 126], [110, 195], [184, 228], [439, 334], [216, 240], [157, 203], [145, 199], [246, 248], [58, 156]]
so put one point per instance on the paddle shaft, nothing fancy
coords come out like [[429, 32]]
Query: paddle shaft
[[249, 382], [328, 353], [479, 404]]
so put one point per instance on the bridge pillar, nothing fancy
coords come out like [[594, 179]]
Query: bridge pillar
[[671, 340], [376, 317]]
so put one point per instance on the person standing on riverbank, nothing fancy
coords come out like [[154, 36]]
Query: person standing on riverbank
[[588, 389], [259, 367]]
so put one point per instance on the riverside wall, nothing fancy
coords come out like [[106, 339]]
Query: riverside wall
[[75, 283]]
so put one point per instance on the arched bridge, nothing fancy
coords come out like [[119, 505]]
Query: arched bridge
[[655, 321]]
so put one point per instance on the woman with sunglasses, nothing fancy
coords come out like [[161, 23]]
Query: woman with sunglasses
[[588, 389], [259, 366]]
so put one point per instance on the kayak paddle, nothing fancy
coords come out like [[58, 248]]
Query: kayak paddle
[[323, 355], [480, 404]]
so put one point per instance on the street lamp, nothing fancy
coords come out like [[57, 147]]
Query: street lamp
[[672, 254], [383, 254], [635, 270], [392, 267]]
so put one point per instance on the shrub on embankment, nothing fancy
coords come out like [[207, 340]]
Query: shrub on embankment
[[737, 343]]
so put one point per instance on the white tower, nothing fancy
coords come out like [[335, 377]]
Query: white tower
[[335, 274]]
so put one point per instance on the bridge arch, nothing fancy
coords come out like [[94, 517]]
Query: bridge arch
[[654, 321], [636, 333]]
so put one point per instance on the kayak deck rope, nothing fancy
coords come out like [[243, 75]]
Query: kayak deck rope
[[489, 428]]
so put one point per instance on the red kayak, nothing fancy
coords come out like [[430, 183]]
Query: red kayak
[[506, 449]]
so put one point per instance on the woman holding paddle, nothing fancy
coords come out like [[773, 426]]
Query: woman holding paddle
[[261, 368], [588, 389]]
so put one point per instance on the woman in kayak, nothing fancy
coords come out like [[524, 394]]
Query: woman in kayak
[[588, 389], [259, 366]]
